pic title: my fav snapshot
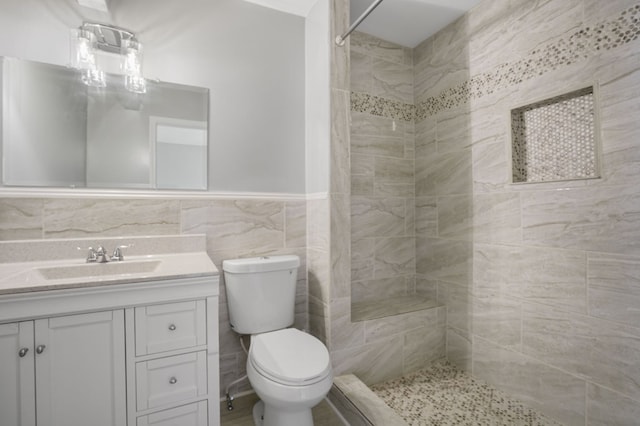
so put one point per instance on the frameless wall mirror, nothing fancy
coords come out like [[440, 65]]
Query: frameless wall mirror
[[59, 132]]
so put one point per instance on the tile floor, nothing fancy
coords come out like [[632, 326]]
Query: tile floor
[[323, 414], [444, 395]]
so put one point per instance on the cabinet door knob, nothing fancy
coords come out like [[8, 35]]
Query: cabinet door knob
[[172, 327], [173, 380], [22, 352], [40, 349]]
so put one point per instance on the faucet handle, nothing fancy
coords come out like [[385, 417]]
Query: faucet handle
[[92, 255], [117, 253], [101, 254]]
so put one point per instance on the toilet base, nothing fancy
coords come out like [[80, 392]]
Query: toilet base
[[258, 413], [276, 416]]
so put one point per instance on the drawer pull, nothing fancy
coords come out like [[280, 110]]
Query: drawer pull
[[173, 380], [22, 352], [172, 327], [40, 349]]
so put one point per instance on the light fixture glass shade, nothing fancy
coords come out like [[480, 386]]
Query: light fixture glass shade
[[94, 77], [83, 55], [135, 83], [132, 57], [132, 67]]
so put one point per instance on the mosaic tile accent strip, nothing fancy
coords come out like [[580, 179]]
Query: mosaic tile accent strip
[[555, 139], [376, 105], [444, 395], [576, 47]]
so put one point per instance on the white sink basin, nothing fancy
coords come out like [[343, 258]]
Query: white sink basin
[[88, 270]]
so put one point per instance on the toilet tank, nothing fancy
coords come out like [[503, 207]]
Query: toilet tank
[[261, 292]]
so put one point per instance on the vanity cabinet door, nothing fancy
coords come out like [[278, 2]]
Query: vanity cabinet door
[[80, 370], [17, 382]]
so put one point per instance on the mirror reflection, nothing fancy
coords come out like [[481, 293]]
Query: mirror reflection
[[58, 132]]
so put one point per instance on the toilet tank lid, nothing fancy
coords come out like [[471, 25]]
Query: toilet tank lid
[[261, 264]]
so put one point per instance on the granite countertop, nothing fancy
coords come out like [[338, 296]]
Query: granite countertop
[[36, 274]]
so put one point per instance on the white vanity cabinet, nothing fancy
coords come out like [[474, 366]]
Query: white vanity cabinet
[[17, 375], [134, 354], [73, 366]]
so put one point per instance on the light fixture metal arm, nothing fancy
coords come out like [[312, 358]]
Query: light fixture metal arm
[[341, 38]]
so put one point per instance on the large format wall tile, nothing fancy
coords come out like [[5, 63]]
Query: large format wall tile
[[70, 218], [344, 332], [295, 224], [378, 289], [496, 218], [387, 146], [614, 288], [363, 124], [426, 219], [393, 81], [375, 47], [372, 363], [620, 130], [423, 346], [457, 299], [340, 149], [459, 348], [490, 165], [375, 217], [598, 350], [607, 408], [544, 388], [21, 219], [385, 328], [549, 276], [597, 219], [444, 174], [361, 72], [394, 256], [444, 260], [243, 224], [340, 247], [497, 319], [455, 217]]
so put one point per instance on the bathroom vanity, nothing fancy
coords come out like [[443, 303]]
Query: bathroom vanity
[[133, 343]]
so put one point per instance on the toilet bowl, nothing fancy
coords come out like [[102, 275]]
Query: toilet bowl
[[290, 372]]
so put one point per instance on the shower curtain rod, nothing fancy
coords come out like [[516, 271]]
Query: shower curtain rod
[[341, 38]]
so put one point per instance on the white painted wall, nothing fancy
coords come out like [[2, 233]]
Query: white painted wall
[[318, 107], [250, 57]]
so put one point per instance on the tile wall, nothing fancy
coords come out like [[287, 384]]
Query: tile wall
[[540, 281], [380, 213], [233, 228], [383, 244]]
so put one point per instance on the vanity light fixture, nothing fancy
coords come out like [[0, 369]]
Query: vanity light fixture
[[92, 38]]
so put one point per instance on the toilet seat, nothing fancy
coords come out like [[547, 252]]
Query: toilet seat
[[289, 357]]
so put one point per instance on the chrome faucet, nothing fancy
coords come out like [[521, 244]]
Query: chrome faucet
[[101, 255], [91, 256], [117, 254]]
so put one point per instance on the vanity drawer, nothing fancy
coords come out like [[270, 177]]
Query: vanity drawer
[[161, 328], [172, 379], [187, 415]]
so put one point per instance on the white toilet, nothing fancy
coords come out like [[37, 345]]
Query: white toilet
[[289, 370]]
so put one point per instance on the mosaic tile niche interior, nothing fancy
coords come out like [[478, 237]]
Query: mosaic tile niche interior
[[538, 281]]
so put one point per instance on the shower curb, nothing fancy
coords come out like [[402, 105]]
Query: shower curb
[[360, 405]]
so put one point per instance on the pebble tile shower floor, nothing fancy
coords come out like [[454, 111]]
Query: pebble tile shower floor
[[443, 395]]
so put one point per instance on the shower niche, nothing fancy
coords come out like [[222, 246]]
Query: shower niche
[[556, 139]]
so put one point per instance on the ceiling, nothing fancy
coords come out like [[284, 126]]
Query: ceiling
[[409, 22], [405, 22]]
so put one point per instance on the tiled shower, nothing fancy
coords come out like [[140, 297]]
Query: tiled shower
[[540, 280]]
